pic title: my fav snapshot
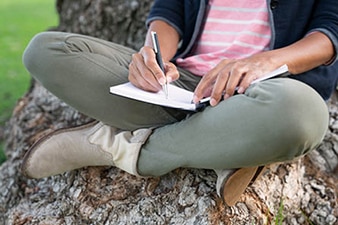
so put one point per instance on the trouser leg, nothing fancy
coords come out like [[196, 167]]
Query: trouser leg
[[275, 120], [80, 69]]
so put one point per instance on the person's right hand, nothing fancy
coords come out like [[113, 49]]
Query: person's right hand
[[146, 74]]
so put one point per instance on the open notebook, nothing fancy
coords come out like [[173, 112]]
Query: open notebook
[[178, 97]]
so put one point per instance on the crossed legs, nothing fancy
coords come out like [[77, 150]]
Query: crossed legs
[[275, 120]]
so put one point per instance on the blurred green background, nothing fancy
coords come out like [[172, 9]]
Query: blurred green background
[[20, 20]]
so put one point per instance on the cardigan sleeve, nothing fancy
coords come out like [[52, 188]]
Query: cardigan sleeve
[[170, 11]]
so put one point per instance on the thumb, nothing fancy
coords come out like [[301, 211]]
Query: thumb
[[172, 73]]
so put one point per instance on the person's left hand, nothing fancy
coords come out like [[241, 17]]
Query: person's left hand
[[231, 74]]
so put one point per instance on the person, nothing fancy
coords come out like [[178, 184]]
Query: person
[[214, 48]]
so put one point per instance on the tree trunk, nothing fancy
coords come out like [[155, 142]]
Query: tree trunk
[[300, 192]]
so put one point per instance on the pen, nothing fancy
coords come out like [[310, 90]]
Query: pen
[[158, 55]]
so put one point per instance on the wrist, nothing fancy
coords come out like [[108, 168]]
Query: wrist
[[312, 51], [168, 38]]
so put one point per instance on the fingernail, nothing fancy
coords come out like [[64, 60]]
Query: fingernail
[[213, 102], [195, 99], [162, 81], [226, 96], [240, 90]]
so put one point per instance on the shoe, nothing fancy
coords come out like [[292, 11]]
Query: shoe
[[93, 144], [231, 184]]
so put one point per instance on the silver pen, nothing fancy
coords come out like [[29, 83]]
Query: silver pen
[[158, 55]]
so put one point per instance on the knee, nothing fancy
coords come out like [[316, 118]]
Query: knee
[[296, 115], [305, 135], [35, 53], [306, 117]]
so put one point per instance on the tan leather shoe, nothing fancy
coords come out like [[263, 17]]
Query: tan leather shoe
[[231, 184], [93, 144]]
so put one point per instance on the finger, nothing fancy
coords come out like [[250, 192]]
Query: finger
[[236, 75], [246, 81], [141, 76], [220, 84], [206, 84], [151, 63], [172, 73], [208, 81], [203, 87], [135, 78]]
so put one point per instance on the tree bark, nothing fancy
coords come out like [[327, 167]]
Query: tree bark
[[300, 192]]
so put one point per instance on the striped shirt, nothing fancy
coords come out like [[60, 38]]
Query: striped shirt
[[233, 30]]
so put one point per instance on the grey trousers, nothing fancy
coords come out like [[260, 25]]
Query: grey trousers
[[274, 120]]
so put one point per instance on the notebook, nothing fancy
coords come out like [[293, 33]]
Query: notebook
[[178, 97]]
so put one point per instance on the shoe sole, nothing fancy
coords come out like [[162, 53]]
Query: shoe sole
[[236, 184]]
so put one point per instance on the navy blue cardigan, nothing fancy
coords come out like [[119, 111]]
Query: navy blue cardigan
[[290, 21]]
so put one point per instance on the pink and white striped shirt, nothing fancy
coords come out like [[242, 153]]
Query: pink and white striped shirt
[[233, 30]]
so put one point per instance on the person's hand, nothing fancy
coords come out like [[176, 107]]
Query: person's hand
[[145, 73], [230, 75]]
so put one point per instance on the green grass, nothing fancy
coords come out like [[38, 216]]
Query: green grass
[[20, 20], [280, 217]]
